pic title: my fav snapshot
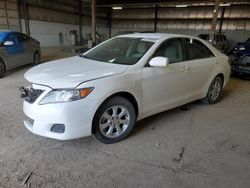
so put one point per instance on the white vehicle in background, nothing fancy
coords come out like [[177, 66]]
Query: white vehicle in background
[[127, 78]]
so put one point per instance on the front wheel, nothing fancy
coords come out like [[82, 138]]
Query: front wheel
[[214, 91], [114, 120]]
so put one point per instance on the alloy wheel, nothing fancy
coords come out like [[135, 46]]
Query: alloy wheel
[[215, 90], [114, 121]]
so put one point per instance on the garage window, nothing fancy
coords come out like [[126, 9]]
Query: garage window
[[196, 50]]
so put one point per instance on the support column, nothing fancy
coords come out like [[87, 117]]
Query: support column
[[214, 21], [19, 15], [25, 16], [156, 18], [80, 20], [93, 18], [222, 18], [6, 13], [110, 22]]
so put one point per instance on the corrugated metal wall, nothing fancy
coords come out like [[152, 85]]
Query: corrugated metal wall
[[190, 20], [48, 32], [9, 15], [46, 24], [48, 18]]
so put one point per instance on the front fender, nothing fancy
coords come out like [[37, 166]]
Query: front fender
[[106, 87]]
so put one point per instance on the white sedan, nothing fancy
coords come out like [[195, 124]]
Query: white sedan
[[127, 78]]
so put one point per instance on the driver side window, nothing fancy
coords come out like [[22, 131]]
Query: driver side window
[[172, 49]]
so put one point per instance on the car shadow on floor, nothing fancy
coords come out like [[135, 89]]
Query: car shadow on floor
[[144, 124]]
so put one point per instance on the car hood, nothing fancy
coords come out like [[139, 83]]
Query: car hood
[[70, 72]]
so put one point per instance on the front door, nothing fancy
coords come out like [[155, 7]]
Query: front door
[[165, 87], [13, 53]]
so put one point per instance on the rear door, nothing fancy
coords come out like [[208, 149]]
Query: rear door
[[25, 42], [201, 62]]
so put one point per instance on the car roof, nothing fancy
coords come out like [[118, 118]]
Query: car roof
[[154, 36]]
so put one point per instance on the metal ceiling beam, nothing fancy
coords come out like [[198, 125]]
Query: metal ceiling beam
[[125, 3]]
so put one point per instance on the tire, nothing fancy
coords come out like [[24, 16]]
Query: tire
[[108, 127], [36, 58], [2, 69], [214, 91]]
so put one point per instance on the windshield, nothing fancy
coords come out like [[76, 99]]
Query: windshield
[[120, 50]]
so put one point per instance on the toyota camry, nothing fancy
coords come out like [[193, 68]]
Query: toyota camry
[[104, 91]]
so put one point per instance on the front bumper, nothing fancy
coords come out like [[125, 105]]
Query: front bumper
[[241, 69], [76, 117], [241, 66]]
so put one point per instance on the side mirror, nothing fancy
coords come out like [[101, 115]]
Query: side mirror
[[159, 62], [8, 43]]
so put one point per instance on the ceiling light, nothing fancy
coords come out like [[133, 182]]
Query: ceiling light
[[181, 6], [117, 8], [224, 5]]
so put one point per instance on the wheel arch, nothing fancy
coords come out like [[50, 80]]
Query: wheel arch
[[127, 95], [36, 52], [221, 75], [1, 59]]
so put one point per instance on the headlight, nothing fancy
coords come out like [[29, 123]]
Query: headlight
[[65, 95]]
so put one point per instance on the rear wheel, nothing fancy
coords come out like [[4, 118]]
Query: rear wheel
[[36, 58], [2, 69], [214, 91], [114, 120]]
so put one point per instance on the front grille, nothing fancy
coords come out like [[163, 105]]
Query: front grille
[[33, 94]]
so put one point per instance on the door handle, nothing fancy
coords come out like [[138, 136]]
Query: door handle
[[185, 68]]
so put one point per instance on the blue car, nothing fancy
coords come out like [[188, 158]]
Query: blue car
[[17, 49], [240, 58]]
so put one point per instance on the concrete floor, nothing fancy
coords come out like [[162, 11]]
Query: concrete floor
[[195, 146]]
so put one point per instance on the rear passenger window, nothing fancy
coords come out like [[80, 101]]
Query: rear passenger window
[[196, 49], [172, 49], [22, 38]]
